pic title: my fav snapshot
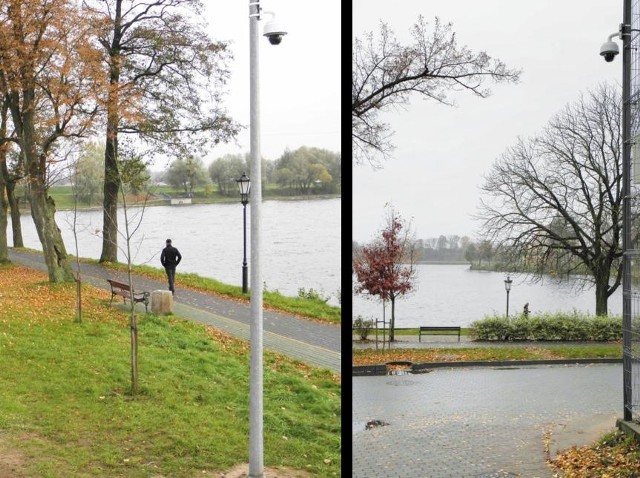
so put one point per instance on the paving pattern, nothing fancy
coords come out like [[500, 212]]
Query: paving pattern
[[475, 422]]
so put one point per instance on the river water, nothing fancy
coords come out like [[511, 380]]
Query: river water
[[456, 295], [300, 241]]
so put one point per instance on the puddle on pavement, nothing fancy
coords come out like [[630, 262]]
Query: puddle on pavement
[[399, 368], [399, 372], [369, 425]]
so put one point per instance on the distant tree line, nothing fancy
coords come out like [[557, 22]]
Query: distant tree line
[[485, 254], [452, 249], [305, 171]]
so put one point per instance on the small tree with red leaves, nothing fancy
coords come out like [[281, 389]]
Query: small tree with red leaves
[[386, 267]]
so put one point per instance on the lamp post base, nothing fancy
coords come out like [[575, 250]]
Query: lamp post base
[[244, 278]]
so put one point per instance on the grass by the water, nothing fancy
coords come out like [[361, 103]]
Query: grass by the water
[[66, 407], [310, 306], [372, 356]]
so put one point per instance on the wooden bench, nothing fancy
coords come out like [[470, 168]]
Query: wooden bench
[[124, 291], [438, 331]]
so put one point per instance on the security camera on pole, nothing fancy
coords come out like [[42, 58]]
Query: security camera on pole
[[609, 49], [256, 410]]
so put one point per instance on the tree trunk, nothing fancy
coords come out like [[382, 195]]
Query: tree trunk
[[14, 207], [110, 203], [392, 323], [602, 296], [134, 352], [9, 182], [42, 207], [111, 176], [4, 248], [55, 255]]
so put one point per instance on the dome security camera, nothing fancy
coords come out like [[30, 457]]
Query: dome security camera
[[609, 50], [274, 32]]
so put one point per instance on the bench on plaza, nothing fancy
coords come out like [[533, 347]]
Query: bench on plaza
[[123, 290], [438, 331]]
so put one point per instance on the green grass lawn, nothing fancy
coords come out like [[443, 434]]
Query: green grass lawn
[[67, 408]]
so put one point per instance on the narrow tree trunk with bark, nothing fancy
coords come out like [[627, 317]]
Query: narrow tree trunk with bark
[[4, 206], [110, 204], [10, 182], [4, 248], [112, 178], [55, 254], [392, 322], [42, 206], [14, 208]]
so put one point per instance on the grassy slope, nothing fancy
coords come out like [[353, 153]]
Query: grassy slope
[[65, 401]]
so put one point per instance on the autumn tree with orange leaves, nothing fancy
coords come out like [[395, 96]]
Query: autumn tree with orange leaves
[[386, 268], [49, 74]]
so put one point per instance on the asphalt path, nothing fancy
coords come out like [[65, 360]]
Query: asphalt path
[[315, 343]]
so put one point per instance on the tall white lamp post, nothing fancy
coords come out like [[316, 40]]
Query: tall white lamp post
[[256, 410]]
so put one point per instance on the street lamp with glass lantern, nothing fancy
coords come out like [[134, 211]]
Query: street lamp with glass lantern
[[244, 185], [507, 287]]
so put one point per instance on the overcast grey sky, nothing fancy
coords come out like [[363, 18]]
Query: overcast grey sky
[[299, 79], [441, 152]]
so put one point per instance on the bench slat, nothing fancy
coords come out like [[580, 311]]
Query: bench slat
[[123, 290], [427, 329]]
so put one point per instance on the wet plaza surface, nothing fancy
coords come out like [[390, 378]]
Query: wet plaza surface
[[474, 422]]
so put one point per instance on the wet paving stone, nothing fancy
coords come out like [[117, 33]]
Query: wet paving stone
[[476, 422]]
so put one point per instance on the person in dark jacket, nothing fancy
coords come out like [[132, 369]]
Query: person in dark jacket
[[170, 258]]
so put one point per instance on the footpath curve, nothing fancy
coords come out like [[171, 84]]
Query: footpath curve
[[314, 343]]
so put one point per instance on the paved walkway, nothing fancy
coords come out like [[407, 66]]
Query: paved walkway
[[480, 422], [317, 344]]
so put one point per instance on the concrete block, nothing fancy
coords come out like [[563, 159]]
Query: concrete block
[[161, 302]]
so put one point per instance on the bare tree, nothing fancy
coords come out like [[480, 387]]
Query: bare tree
[[555, 200], [385, 73]]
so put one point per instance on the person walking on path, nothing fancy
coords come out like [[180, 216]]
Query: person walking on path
[[170, 258]]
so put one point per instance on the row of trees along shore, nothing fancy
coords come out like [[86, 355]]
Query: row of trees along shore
[[454, 249], [307, 171], [143, 76]]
